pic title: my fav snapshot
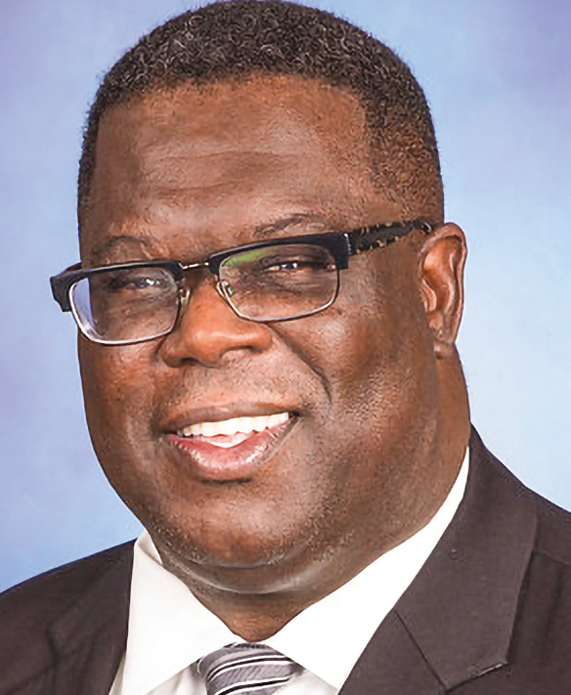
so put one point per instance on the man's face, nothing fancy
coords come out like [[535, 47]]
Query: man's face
[[346, 469]]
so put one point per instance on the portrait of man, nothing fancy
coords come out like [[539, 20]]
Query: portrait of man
[[267, 304]]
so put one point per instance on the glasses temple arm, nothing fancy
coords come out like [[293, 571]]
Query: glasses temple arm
[[378, 236]]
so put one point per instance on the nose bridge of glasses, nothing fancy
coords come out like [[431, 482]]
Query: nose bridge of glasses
[[195, 274]]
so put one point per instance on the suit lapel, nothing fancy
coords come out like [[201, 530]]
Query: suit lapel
[[392, 665], [455, 621], [89, 638]]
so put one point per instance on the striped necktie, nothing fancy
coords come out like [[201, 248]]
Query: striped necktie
[[245, 669]]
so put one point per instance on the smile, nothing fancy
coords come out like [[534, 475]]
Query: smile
[[233, 449], [230, 433]]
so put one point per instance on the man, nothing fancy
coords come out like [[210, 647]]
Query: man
[[268, 301]]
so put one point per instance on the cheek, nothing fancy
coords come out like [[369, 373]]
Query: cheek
[[117, 395], [373, 340], [374, 353]]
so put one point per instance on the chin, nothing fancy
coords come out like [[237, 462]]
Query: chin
[[237, 559]]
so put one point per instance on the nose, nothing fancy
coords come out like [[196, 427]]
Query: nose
[[209, 332]]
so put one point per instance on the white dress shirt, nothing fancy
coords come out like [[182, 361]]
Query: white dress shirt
[[169, 629]]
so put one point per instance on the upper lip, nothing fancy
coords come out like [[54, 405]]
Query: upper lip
[[176, 422]]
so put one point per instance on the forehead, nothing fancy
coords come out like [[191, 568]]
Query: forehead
[[231, 155]]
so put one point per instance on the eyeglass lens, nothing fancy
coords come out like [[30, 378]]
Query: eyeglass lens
[[127, 304], [279, 282], [269, 283]]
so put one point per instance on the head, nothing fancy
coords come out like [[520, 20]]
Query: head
[[245, 121]]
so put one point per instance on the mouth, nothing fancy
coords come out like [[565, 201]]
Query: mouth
[[231, 450]]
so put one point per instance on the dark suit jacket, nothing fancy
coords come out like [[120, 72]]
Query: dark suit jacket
[[489, 613]]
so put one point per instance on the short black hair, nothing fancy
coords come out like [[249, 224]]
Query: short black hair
[[242, 38]]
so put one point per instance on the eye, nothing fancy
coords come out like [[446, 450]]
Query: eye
[[287, 264], [287, 267], [295, 260], [138, 280]]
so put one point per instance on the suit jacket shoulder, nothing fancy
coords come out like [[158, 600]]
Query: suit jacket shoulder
[[490, 611], [55, 626]]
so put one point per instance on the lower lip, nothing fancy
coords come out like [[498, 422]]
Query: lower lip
[[234, 464]]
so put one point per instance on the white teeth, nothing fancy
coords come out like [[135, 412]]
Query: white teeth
[[235, 425]]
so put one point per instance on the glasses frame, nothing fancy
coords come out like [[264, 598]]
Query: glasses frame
[[341, 245]]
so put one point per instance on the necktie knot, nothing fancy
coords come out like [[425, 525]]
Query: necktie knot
[[244, 669]]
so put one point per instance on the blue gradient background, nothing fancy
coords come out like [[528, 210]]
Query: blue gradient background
[[498, 76]]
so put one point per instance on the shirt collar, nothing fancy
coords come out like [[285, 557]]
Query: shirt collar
[[169, 629]]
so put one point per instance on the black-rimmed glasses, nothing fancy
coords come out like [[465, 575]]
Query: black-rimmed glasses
[[274, 280]]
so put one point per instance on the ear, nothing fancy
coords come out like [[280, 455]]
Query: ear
[[441, 275]]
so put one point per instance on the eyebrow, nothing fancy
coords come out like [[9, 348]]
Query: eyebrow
[[100, 252], [265, 231]]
